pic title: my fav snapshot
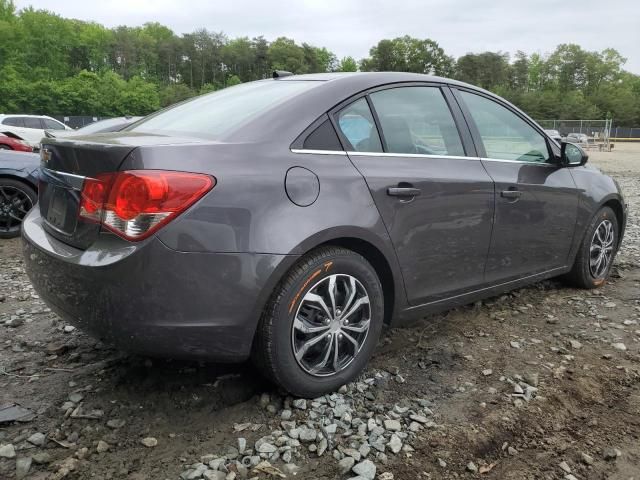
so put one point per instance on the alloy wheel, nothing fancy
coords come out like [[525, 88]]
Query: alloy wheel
[[15, 203], [601, 250], [331, 325]]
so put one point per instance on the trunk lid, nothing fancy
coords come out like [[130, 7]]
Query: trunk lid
[[66, 162]]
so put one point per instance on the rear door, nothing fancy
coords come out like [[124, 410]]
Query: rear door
[[33, 129], [536, 199], [432, 192]]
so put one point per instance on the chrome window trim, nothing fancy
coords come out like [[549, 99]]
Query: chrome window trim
[[379, 154], [522, 162], [410, 155], [318, 152], [72, 180]]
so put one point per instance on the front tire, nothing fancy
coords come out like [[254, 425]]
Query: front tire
[[597, 251], [322, 323]]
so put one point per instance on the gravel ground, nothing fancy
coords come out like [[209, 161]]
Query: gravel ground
[[543, 382]]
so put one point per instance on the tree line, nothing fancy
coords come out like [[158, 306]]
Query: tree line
[[59, 66]]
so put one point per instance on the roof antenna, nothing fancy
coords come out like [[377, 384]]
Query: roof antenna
[[280, 74]]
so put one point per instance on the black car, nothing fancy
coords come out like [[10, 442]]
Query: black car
[[18, 187], [289, 219]]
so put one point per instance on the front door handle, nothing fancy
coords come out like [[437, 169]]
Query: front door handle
[[511, 193], [403, 191]]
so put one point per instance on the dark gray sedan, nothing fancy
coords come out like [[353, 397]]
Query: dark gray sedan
[[289, 219]]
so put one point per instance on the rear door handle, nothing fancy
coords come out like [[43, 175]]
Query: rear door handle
[[511, 193], [403, 191]]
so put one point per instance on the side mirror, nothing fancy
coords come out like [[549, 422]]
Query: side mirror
[[572, 155]]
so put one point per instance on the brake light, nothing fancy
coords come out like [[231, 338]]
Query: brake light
[[134, 204]]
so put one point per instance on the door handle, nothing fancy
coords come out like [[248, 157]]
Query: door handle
[[403, 191], [511, 194]]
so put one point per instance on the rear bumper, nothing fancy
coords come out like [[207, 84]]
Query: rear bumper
[[150, 299]]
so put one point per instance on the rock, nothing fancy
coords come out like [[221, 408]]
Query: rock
[[517, 389], [116, 423], [487, 372], [69, 328], [570, 477], [586, 459], [385, 476], [395, 444], [322, 446], [149, 442], [472, 467], [565, 466], [575, 344], [515, 345], [619, 346], [442, 463], [37, 439], [419, 418], [366, 469], [76, 397], [286, 414], [242, 445], [346, 464], [300, 403], [531, 378], [393, 425], [612, 453], [214, 475], [41, 458], [102, 446], [23, 465], [512, 451], [265, 447], [290, 469], [307, 434], [7, 451]]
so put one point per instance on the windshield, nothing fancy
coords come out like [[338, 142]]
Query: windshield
[[211, 115]]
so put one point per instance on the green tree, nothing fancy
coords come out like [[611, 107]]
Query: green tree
[[347, 64]]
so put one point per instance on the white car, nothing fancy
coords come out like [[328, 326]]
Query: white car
[[30, 128]]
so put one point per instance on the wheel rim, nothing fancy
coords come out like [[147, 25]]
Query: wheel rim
[[331, 325], [15, 203], [601, 251]]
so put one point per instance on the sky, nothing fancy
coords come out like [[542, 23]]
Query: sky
[[352, 27]]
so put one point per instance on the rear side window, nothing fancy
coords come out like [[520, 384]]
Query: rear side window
[[13, 122], [417, 120], [209, 116], [30, 122], [504, 134], [323, 138], [358, 127]]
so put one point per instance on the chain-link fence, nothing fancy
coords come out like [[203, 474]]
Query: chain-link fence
[[625, 134], [590, 134]]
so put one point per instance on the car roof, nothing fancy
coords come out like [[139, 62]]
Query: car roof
[[8, 115]]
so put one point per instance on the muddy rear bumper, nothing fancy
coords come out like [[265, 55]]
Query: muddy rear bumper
[[150, 299]]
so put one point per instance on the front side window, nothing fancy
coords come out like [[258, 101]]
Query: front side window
[[357, 125], [417, 120], [52, 124], [504, 134], [30, 122]]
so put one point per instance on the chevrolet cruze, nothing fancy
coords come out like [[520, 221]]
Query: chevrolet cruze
[[288, 220]]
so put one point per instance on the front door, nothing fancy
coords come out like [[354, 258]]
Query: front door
[[436, 202], [536, 200]]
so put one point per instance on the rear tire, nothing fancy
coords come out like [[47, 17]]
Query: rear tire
[[16, 199], [596, 252], [308, 349], [5, 147]]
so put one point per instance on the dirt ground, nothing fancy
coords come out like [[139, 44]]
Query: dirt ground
[[582, 422]]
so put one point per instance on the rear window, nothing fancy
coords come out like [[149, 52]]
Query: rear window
[[13, 122], [209, 116]]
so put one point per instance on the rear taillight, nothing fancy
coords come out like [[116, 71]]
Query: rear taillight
[[136, 203]]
